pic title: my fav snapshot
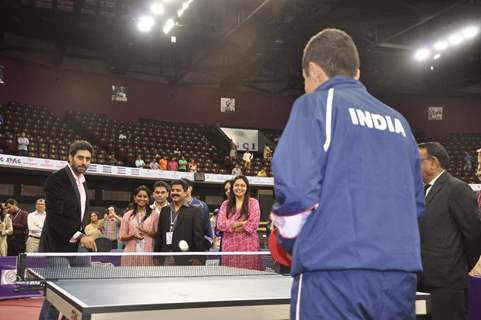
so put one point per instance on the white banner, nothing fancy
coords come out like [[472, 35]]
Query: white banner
[[38, 164], [244, 138]]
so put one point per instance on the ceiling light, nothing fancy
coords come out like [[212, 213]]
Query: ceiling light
[[470, 32], [157, 8], [145, 23], [441, 45], [422, 54], [455, 39]]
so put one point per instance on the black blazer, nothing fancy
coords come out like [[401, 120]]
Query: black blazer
[[62, 200], [450, 221], [188, 226]]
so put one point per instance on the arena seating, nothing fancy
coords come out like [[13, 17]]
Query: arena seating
[[50, 136]]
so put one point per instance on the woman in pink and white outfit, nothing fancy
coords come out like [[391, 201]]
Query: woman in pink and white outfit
[[239, 218]]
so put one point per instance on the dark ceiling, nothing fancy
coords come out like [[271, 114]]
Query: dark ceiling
[[247, 44]]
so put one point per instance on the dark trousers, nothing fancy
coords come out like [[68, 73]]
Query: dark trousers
[[448, 304], [15, 245]]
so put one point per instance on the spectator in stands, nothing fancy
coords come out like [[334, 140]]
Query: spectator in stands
[[122, 136], [238, 219], [16, 241], [161, 194], [180, 222], [468, 161], [182, 164], [139, 227], [177, 152], [111, 160], [451, 221], [94, 228], [192, 165], [173, 164], [262, 173], [139, 163], [233, 150], [237, 171], [154, 164], [163, 163], [247, 157], [267, 152], [35, 221], [196, 202], [22, 145], [6, 229], [111, 226]]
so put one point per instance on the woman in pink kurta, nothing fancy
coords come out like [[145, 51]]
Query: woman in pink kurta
[[239, 218], [138, 229]]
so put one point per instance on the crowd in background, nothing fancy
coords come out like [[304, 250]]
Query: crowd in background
[[149, 223]]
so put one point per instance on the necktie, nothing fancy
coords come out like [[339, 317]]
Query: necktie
[[426, 187]]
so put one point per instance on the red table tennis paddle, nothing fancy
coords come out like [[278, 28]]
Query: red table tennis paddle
[[278, 253]]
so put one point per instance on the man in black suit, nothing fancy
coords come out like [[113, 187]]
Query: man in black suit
[[66, 204], [451, 220], [178, 222]]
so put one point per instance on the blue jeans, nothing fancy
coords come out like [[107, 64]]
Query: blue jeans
[[48, 311]]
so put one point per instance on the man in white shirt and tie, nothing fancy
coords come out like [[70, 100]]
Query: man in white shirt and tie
[[35, 222]]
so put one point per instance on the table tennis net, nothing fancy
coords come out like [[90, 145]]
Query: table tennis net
[[143, 266]]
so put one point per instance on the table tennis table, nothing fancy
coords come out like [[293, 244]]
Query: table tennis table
[[171, 292]]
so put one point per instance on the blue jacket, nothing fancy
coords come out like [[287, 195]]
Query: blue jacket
[[348, 183]]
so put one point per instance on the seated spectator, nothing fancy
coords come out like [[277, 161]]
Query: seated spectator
[[238, 219], [192, 165], [139, 163], [111, 160], [122, 136], [173, 165], [138, 228], [262, 173], [6, 229], [163, 163], [111, 226], [247, 157], [182, 164], [237, 171], [94, 228], [154, 165], [22, 145], [177, 151]]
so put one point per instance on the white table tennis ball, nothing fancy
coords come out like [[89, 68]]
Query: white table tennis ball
[[183, 245]]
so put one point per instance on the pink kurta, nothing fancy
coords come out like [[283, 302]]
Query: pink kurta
[[129, 227], [246, 240]]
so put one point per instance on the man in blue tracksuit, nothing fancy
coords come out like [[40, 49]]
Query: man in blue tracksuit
[[348, 193]]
